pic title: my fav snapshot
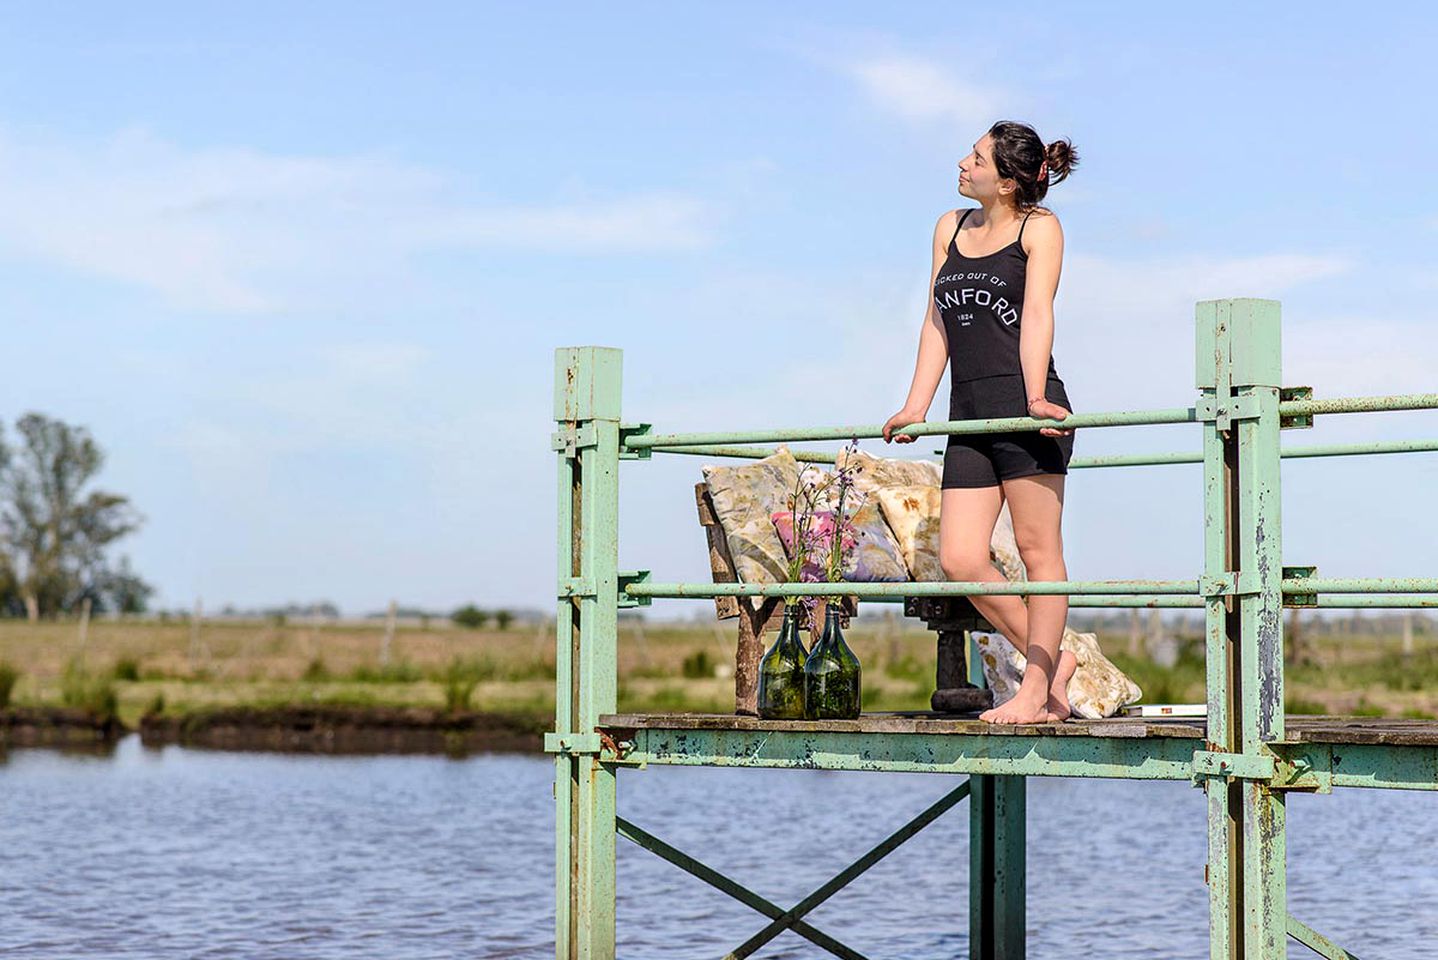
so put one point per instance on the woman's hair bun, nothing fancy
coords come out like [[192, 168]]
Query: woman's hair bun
[[1061, 160]]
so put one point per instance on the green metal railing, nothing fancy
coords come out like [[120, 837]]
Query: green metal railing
[[1246, 763]]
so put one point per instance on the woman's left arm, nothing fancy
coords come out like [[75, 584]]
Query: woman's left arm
[[1036, 329]]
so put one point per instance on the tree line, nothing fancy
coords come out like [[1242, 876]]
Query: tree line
[[57, 530]]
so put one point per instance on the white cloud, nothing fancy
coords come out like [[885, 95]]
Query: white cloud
[[923, 90], [240, 230]]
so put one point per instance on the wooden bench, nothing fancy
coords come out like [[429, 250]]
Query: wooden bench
[[951, 618]]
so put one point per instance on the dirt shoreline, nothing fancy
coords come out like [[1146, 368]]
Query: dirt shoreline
[[288, 729]]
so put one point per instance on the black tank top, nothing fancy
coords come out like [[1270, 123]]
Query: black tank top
[[980, 300]]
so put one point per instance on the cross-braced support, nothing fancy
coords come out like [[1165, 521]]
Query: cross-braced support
[[792, 919]]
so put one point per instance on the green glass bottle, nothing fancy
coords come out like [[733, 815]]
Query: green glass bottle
[[781, 672], [832, 689]]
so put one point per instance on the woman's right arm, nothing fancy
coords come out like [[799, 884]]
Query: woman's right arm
[[933, 345]]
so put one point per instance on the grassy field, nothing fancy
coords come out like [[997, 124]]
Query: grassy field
[[155, 666]]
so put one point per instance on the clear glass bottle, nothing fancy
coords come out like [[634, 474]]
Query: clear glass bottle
[[832, 676], [781, 672]]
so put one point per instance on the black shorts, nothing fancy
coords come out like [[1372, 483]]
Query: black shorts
[[985, 459]]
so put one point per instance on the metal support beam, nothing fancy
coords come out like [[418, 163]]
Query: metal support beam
[[586, 407], [1238, 375], [998, 872]]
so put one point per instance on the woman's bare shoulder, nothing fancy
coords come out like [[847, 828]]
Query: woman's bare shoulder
[[1042, 228], [944, 228]]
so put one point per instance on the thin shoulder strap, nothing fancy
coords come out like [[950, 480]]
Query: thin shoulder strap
[[1022, 225], [959, 225]]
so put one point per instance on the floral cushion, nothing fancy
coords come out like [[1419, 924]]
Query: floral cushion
[[875, 556], [879, 473], [913, 515], [1097, 688], [744, 495]]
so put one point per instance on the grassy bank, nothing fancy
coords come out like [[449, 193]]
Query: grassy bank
[[160, 667]]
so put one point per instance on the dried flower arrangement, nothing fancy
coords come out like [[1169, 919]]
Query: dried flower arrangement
[[819, 521]]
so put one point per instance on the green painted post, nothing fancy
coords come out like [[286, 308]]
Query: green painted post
[[1238, 376], [998, 825], [586, 410]]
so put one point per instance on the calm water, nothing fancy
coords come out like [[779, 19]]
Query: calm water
[[182, 853]]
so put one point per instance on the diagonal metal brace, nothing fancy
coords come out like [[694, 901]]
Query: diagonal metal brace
[[1316, 941], [842, 879], [724, 884]]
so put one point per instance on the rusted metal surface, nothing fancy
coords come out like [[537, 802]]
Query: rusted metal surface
[[1300, 729]]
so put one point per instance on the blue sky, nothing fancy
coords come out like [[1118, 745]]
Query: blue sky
[[302, 268]]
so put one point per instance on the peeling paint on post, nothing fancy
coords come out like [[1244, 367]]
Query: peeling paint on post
[[1239, 373]]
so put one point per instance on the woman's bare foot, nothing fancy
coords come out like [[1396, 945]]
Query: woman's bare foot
[[1022, 708], [1057, 707]]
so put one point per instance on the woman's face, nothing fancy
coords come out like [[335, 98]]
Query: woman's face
[[978, 179]]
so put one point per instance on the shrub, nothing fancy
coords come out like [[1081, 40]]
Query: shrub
[[127, 668], [156, 705], [459, 680], [8, 676], [470, 616], [315, 671], [402, 672], [93, 694], [698, 664]]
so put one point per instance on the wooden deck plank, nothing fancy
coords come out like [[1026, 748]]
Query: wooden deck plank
[[1309, 729]]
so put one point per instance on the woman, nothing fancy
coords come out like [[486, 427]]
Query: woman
[[995, 271]]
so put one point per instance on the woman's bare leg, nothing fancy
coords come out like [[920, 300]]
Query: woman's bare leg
[[1036, 505], [966, 527]]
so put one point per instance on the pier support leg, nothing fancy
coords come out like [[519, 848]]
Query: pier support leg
[[1238, 377], [997, 867], [586, 409], [998, 850]]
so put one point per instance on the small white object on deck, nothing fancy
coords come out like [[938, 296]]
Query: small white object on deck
[[1166, 710]]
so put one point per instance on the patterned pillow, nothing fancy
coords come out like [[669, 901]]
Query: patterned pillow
[[875, 556], [913, 515], [744, 496], [878, 473], [1097, 688]]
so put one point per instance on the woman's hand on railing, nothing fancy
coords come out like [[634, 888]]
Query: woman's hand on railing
[[904, 418], [1042, 409]]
